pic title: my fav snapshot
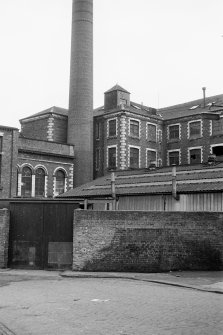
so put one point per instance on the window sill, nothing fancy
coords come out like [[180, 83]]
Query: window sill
[[173, 140], [194, 138], [112, 137], [135, 137]]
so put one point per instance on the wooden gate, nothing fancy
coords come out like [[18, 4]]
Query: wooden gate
[[41, 234]]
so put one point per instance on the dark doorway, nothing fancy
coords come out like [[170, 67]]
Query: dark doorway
[[41, 234]]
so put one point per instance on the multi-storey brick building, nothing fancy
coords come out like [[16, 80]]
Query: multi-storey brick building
[[128, 135], [39, 162]]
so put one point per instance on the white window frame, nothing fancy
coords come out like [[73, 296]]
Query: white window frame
[[173, 150], [134, 147], [54, 180], [194, 148], [139, 122], [168, 131], [152, 124], [116, 129], [116, 148], [215, 145], [153, 150], [188, 128], [211, 125]]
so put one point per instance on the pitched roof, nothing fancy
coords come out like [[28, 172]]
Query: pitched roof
[[117, 88], [197, 178], [51, 110], [213, 104]]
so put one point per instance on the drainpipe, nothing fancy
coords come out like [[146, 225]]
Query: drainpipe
[[113, 190]]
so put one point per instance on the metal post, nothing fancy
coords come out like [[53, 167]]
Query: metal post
[[113, 190], [174, 182]]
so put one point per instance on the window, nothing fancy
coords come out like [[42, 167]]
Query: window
[[112, 157], [174, 132], [112, 127], [217, 127], [40, 183], [60, 182], [134, 158], [159, 135], [97, 159], [218, 151], [151, 132], [97, 131], [134, 128], [26, 189], [151, 158], [195, 129], [174, 157], [195, 156]]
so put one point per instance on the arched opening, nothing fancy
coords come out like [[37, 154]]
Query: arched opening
[[60, 182], [40, 183], [26, 187]]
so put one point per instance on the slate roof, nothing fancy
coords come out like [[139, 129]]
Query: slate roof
[[190, 179], [213, 104], [51, 110], [117, 88]]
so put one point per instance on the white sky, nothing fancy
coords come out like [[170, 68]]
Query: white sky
[[162, 51]]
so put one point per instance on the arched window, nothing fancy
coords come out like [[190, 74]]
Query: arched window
[[60, 182], [40, 183], [26, 189]]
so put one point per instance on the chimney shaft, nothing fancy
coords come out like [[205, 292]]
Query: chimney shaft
[[80, 116], [204, 96]]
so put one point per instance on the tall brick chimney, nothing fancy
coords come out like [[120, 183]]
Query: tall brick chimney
[[80, 116]]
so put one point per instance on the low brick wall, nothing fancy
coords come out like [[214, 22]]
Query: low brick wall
[[4, 236], [147, 241]]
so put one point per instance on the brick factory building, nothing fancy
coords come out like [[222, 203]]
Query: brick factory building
[[39, 162], [59, 149]]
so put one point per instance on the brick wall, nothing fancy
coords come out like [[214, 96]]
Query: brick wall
[[8, 160], [4, 235], [147, 241]]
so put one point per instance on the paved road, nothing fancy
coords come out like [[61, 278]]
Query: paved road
[[65, 306]]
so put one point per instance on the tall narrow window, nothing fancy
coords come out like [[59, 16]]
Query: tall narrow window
[[112, 158], [151, 132], [60, 182], [134, 128], [134, 158], [174, 158], [40, 183], [151, 158], [112, 127], [97, 131], [26, 189]]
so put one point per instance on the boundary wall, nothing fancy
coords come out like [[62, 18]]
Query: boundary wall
[[141, 241], [4, 237]]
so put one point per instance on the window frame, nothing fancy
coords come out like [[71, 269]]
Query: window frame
[[139, 128], [97, 159], [139, 158], [116, 157], [169, 132], [168, 156], [152, 150], [97, 130], [108, 127], [195, 148], [147, 133], [189, 130]]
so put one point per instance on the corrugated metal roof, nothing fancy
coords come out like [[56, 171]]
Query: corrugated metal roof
[[199, 178]]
